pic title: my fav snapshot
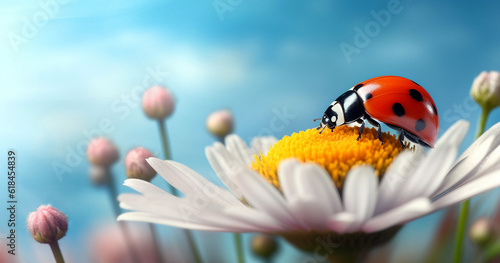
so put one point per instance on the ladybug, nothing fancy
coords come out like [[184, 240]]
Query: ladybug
[[398, 102]]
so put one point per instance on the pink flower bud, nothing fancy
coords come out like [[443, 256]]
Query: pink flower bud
[[47, 224], [158, 103], [220, 123], [136, 165], [102, 152]]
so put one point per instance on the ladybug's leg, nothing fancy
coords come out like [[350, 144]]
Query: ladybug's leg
[[379, 133], [360, 128], [379, 128], [401, 138]]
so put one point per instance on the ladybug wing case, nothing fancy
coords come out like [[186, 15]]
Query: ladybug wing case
[[403, 103]]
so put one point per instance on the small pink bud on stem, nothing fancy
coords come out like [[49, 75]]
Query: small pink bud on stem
[[220, 123], [158, 103], [136, 165], [48, 225]]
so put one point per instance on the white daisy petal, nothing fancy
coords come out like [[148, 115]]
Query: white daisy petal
[[238, 148], [254, 217], [471, 159], [145, 188], [189, 182], [313, 180], [265, 197], [360, 192], [220, 167], [205, 188], [455, 134], [286, 176], [401, 168], [309, 190], [152, 218], [467, 165], [343, 222], [196, 211], [466, 191], [305, 206], [424, 183], [398, 215], [491, 163], [262, 144], [484, 139]]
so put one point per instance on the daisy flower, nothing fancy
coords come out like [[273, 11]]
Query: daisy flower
[[321, 192]]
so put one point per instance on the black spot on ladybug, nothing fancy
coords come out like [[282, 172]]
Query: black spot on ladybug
[[435, 110], [368, 96], [416, 95], [420, 125], [416, 83], [398, 109], [357, 87]]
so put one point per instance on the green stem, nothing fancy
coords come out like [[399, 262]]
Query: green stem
[[54, 246], [164, 139], [166, 149], [168, 156], [482, 122], [156, 242], [462, 223], [192, 245], [464, 207], [239, 247]]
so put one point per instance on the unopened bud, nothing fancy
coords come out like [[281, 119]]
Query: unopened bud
[[47, 224], [102, 152], [220, 123], [136, 165], [481, 231], [264, 246], [486, 89], [158, 103]]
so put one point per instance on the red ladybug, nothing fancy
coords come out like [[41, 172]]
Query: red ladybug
[[400, 103]]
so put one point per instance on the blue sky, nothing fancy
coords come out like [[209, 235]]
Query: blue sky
[[62, 77]]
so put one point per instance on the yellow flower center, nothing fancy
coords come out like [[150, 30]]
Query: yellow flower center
[[337, 151]]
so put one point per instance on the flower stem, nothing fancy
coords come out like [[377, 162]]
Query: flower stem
[[192, 245], [156, 242], [168, 156], [464, 207], [462, 222], [482, 122], [239, 247], [54, 246], [166, 149], [164, 139]]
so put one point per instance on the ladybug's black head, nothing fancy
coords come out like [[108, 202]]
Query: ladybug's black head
[[334, 116]]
